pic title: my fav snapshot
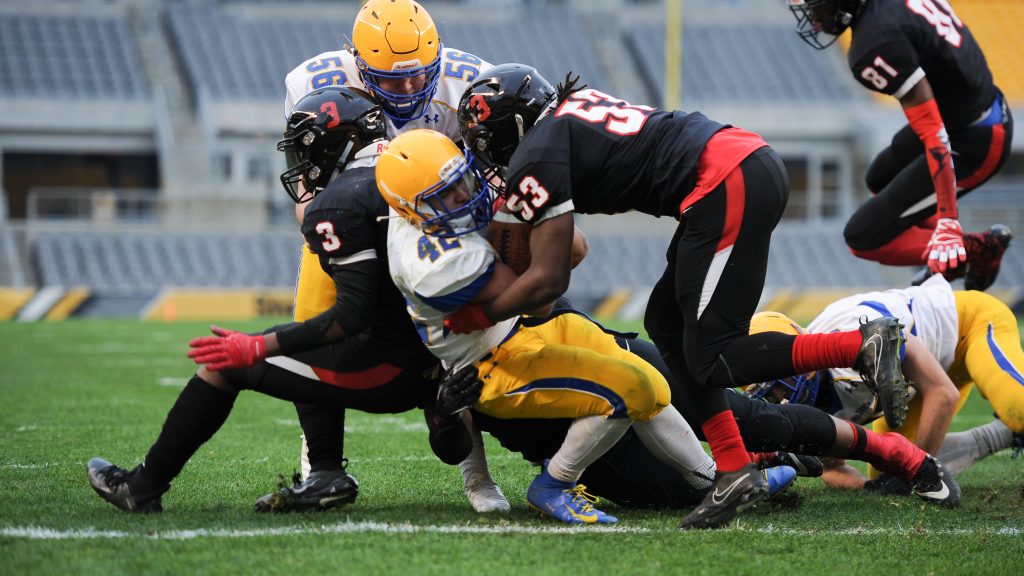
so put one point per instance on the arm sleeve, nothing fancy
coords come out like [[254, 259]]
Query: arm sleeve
[[927, 124], [356, 289]]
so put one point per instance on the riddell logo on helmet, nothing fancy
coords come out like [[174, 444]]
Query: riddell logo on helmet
[[407, 65]]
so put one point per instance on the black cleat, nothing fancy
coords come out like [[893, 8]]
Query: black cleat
[[806, 466], [934, 483], [320, 491], [888, 485], [120, 487], [879, 365], [732, 493], [985, 255]]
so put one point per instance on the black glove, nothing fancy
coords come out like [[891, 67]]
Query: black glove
[[458, 390]]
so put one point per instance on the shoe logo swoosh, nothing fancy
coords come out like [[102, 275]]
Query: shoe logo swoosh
[[941, 494], [875, 341], [719, 497]]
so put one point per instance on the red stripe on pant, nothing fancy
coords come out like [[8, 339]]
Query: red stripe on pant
[[361, 380], [735, 199], [995, 152]]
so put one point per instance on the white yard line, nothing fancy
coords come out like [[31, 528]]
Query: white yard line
[[41, 533]]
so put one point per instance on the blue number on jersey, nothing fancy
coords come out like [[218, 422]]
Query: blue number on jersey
[[327, 77], [428, 249], [467, 71]]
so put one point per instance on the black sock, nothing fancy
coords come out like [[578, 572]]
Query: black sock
[[324, 427], [199, 412]]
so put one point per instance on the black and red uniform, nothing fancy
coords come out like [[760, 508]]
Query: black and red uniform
[[594, 153], [896, 44]]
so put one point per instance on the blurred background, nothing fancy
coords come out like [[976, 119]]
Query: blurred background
[[139, 178]]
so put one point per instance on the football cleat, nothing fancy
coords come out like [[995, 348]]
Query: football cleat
[[483, 493], [570, 504], [120, 487], [934, 483], [732, 493], [806, 466], [985, 255], [879, 364], [888, 485], [779, 478], [319, 491]]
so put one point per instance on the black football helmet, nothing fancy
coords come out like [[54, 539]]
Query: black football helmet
[[325, 130], [831, 17], [496, 111]]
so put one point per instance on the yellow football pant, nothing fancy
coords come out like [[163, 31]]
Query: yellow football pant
[[314, 290], [567, 367], [988, 355]]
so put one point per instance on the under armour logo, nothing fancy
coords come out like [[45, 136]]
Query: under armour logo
[[435, 118]]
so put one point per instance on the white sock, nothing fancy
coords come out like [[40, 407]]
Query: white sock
[[474, 467], [669, 437], [961, 450], [587, 440]]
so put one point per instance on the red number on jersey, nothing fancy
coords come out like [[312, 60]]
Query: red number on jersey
[[618, 116], [529, 198]]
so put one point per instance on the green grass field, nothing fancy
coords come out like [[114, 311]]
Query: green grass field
[[79, 389]]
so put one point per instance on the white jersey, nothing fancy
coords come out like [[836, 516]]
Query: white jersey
[[338, 68], [437, 276], [927, 311]]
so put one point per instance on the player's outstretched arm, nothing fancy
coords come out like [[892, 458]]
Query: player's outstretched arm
[[939, 396]]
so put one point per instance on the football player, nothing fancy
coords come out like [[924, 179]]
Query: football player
[[582, 150], [362, 352], [958, 134], [398, 57], [560, 365], [958, 339], [629, 475]]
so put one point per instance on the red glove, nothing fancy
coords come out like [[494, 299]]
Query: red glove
[[946, 248], [469, 318], [229, 349]]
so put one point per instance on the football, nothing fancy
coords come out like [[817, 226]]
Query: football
[[512, 241]]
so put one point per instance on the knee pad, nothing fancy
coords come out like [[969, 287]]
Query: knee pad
[[790, 427]]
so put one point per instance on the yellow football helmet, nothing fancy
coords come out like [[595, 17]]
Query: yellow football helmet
[[800, 389], [396, 39], [430, 182]]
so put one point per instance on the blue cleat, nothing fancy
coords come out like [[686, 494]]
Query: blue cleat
[[567, 502], [779, 478]]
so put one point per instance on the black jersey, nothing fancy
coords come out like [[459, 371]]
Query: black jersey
[[342, 227], [898, 42], [596, 154]]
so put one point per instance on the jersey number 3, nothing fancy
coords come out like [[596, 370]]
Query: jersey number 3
[[618, 116], [331, 242]]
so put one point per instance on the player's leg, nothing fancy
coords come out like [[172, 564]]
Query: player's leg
[[961, 450], [200, 410], [992, 355], [322, 426]]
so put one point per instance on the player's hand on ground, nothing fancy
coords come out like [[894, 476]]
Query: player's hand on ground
[[458, 390], [227, 350], [468, 318], [946, 247]]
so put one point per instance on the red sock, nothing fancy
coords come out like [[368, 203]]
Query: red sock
[[821, 351], [726, 444], [889, 452], [907, 249]]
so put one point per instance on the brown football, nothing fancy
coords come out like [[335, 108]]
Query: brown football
[[512, 242]]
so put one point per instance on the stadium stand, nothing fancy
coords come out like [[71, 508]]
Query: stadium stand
[[75, 56]]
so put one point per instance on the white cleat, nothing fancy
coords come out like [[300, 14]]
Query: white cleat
[[484, 494]]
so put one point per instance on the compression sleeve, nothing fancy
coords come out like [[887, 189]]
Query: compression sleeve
[[927, 124]]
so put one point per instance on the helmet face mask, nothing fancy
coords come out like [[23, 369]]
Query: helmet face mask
[[823, 17], [325, 131], [443, 221], [396, 44], [800, 389]]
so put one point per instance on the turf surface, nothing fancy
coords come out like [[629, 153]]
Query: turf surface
[[78, 389]]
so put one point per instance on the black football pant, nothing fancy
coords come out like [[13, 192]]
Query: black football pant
[[699, 311], [901, 184]]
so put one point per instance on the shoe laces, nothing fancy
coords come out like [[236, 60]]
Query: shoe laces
[[582, 498]]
